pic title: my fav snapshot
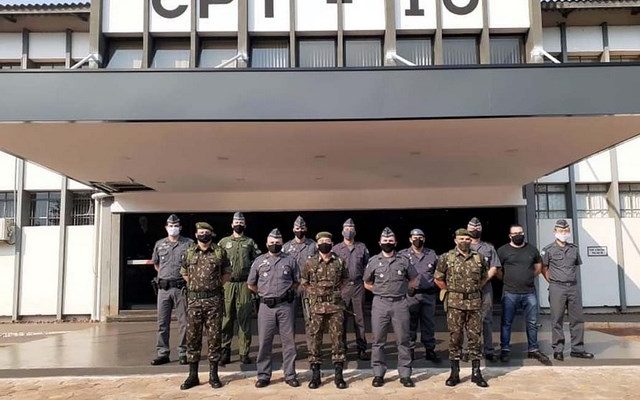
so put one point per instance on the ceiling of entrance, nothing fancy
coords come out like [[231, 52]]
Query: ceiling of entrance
[[271, 156]]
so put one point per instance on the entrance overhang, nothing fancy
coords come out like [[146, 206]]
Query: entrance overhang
[[271, 140]]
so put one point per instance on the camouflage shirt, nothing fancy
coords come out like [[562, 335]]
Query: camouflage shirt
[[464, 276], [323, 281], [203, 269], [241, 252]]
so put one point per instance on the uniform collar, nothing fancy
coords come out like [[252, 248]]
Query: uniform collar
[[466, 257], [208, 249]]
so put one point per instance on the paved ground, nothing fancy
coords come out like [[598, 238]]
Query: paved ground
[[524, 383]]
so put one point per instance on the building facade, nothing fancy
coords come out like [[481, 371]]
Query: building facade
[[488, 104]]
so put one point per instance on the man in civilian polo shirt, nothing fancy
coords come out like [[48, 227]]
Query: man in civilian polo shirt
[[521, 264]]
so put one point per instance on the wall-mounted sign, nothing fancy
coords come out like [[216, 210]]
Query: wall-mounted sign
[[597, 251], [314, 16]]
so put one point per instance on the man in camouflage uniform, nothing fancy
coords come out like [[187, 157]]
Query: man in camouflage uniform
[[241, 250], [206, 269], [300, 248], [322, 278], [462, 272]]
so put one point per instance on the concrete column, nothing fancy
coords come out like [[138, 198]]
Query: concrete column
[[613, 197], [340, 40], [108, 260], [65, 213], [243, 32], [389, 31], [529, 219], [21, 218], [293, 62], [97, 43], [564, 56], [147, 40], [438, 57], [24, 61], [194, 53], [485, 43], [68, 61], [534, 38], [606, 54]]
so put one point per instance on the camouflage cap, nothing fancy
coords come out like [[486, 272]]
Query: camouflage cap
[[173, 219], [562, 223], [474, 224], [275, 233], [299, 223], [387, 232], [462, 232], [324, 234], [416, 232], [239, 217], [204, 225], [349, 224]]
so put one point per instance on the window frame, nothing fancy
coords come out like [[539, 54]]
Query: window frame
[[589, 191], [347, 39], [543, 190], [428, 38], [50, 219], [265, 39], [332, 39]]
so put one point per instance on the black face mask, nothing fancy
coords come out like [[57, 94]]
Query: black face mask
[[417, 243], [238, 228], [388, 247], [274, 248], [518, 240], [299, 234], [475, 234], [204, 238], [324, 248], [464, 246]]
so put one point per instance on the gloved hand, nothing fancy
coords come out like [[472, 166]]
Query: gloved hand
[[411, 292]]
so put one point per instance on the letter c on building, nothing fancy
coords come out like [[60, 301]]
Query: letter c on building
[[468, 9], [163, 12]]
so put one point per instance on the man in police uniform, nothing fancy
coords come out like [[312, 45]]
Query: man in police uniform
[[560, 262], [490, 255], [323, 277], [356, 256], [274, 276], [168, 255], [462, 272], [389, 276], [300, 248], [206, 269], [422, 299], [238, 306]]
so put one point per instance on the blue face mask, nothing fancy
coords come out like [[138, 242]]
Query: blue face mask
[[349, 235], [173, 230]]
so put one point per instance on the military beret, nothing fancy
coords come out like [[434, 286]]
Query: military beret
[[173, 219], [325, 234], [475, 223], [348, 224], [562, 223], [416, 232], [299, 223], [275, 233], [204, 225], [238, 216], [462, 232], [387, 232]]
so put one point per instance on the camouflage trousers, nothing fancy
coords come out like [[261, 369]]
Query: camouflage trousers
[[317, 325], [459, 322], [204, 315]]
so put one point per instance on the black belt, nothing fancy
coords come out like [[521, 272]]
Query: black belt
[[236, 280], [391, 298], [274, 301], [427, 291], [465, 296], [167, 284]]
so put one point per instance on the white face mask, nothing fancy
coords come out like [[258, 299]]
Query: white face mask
[[173, 230], [563, 237]]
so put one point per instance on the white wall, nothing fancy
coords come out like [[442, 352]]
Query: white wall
[[509, 15], [10, 46], [47, 46], [631, 246], [560, 176], [7, 263], [629, 161], [39, 178], [222, 18], [584, 39], [624, 39], [123, 16], [258, 21], [79, 270], [423, 23], [364, 15], [594, 169], [316, 15], [182, 23], [453, 23], [75, 185], [8, 168], [79, 45], [39, 280], [599, 274], [551, 40]]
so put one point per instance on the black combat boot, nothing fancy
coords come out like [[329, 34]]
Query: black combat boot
[[225, 356], [214, 380], [315, 381], [476, 375], [454, 378], [338, 378], [192, 380]]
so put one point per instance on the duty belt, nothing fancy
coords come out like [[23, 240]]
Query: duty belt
[[206, 294], [464, 296]]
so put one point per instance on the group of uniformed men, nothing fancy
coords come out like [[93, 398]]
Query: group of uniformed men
[[212, 287]]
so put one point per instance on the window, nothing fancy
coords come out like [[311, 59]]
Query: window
[[557, 56], [551, 201], [630, 200], [215, 52], [625, 58], [506, 49], [317, 53], [460, 50], [47, 65], [15, 65], [584, 59], [591, 201], [82, 210], [171, 53], [7, 205], [125, 53], [269, 53], [45, 208], [416, 50], [363, 52]]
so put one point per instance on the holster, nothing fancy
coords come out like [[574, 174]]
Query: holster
[[154, 286]]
